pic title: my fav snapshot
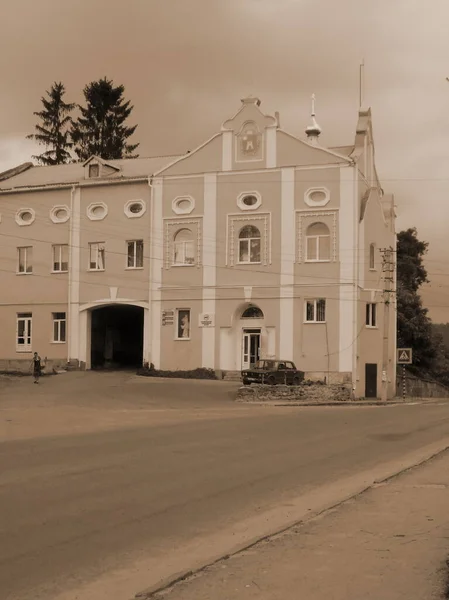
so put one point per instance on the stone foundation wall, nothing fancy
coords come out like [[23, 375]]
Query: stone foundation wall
[[313, 392], [24, 365]]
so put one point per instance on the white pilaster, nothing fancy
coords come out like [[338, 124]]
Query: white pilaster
[[271, 133], [156, 261], [347, 257], [74, 275], [287, 263], [209, 252], [226, 137]]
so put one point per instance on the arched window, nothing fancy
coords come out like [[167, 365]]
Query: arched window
[[318, 246], [249, 244], [372, 252], [183, 248], [252, 312]]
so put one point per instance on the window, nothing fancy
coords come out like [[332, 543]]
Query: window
[[96, 256], [134, 208], [371, 315], [23, 336], [183, 248], [249, 245], [183, 205], [372, 252], [252, 312], [183, 324], [97, 211], [60, 214], [25, 216], [317, 196], [316, 311], [135, 254], [60, 258], [249, 200], [318, 243], [94, 170], [59, 327], [25, 255]]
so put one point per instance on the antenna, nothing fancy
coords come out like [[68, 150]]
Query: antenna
[[361, 82], [313, 105]]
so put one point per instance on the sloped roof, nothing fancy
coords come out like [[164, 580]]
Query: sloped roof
[[73, 173], [15, 171]]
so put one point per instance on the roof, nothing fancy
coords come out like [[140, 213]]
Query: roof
[[15, 171], [130, 168], [345, 150]]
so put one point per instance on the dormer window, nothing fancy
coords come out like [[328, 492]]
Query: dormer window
[[94, 171]]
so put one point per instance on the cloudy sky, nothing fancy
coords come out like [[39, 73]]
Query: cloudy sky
[[185, 65]]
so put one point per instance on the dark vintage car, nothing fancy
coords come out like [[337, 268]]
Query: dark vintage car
[[272, 372]]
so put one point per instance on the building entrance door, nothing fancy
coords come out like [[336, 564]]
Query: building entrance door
[[370, 380], [251, 347]]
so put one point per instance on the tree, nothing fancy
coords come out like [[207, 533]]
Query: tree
[[54, 130], [101, 128], [414, 326]]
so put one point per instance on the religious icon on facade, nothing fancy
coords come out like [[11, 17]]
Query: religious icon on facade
[[250, 140], [183, 324]]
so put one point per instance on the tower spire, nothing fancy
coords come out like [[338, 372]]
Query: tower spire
[[313, 131]]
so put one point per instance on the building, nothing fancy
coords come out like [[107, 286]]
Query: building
[[256, 244]]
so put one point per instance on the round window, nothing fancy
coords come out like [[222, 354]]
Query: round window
[[249, 200], [135, 208], [61, 213], [183, 205], [25, 216], [97, 211], [317, 196]]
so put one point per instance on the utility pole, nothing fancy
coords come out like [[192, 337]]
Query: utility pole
[[387, 277]]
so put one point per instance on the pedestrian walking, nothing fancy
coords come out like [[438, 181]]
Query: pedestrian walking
[[36, 365]]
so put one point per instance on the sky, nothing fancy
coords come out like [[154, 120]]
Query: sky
[[186, 64]]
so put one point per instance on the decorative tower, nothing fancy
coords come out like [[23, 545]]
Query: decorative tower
[[313, 131]]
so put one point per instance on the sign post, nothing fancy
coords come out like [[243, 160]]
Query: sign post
[[404, 357]]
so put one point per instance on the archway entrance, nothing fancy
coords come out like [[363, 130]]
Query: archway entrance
[[251, 320], [117, 337]]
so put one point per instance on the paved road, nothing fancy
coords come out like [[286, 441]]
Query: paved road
[[73, 508]]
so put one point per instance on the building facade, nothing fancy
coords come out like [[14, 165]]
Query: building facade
[[256, 244]]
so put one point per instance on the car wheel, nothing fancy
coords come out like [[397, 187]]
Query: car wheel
[[271, 380], [296, 380]]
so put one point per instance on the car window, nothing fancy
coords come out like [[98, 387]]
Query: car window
[[290, 365], [269, 365], [281, 366]]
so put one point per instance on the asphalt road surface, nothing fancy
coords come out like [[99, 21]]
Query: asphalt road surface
[[75, 508]]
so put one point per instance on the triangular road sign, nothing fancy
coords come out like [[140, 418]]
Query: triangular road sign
[[404, 355]]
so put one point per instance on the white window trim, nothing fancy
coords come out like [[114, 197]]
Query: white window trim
[[59, 321], [93, 163], [370, 325], [134, 268], [60, 246], [26, 260], [170, 225], [98, 244], [175, 205], [313, 203], [92, 206], [315, 311], [243, 206], [183, 339], [19, 219], [303, 220], [317, 238], [235, 222], [131, 215], [57, 208], [249, 261], [23, 348]]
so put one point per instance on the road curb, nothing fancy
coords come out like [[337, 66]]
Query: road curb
[[411, 461]]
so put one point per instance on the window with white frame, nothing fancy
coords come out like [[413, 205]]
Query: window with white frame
[[60, 258], [318, 246], [183, 324], [315, 310], [94, 170], [23, 332], [372, 256], [96, 256], [135, 254], [183, 248], [25, 259], [249, 244], [371, 316], [59, 327]]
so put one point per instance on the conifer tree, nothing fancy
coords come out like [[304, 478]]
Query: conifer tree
[[100, 129], [53, 132]]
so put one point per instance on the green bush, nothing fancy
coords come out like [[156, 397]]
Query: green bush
[[201, 373]]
